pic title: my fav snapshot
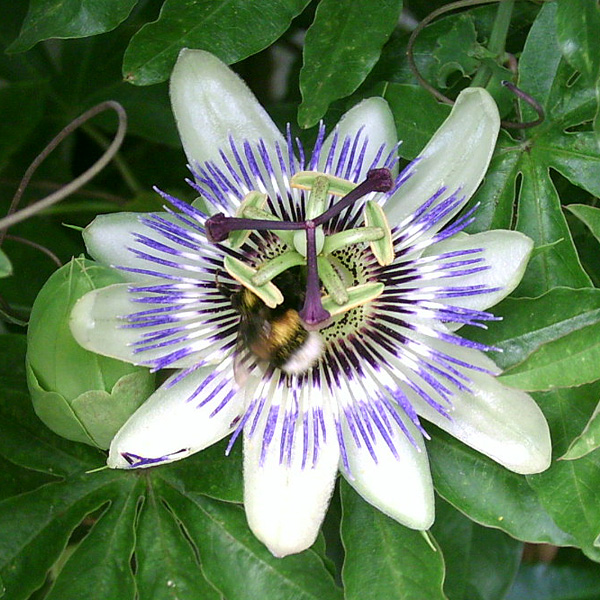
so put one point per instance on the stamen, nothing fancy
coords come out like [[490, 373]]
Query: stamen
[[332, 281], [271, 268], [382, 248], [357, 296], [269, 293], [251, 200], [219, 226], [378, 180], [341, 239]]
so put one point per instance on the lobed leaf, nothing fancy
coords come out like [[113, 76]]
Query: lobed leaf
[[237, 564], [168, 568], [100, 565]]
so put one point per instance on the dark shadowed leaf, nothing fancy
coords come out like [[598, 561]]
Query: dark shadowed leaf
[[207, 25], [568, 576], [237, 564], [21, 107], [69, 19]]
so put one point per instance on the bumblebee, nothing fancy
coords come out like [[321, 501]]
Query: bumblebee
[[276, 335]]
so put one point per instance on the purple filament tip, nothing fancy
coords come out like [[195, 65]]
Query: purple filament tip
[[216, 228], [380, 179]]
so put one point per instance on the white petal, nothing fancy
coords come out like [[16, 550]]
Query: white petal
[[457, 156], [286, 503], [210, 103], [168, 426], [399, 487], [96, 324], [375, 118], [504, 423], [506, 253]]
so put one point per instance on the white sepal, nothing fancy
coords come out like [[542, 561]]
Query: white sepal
[[456, 157], [501, 422], [169, 426], [108, 239], [505, 253], [98, 325]]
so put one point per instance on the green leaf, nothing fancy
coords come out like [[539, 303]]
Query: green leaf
[[589, 215], [14, 480], [577, 25], [35, 528], [211, 473], [100, 566], [529, 323], [488, 493], [569, 489], [6, 267], [417, 116], [69, 19], [22, 108], [588, 440], [168, 568], [341, 47], [496, 195], [383, 558], [481, 563], [229, 552], [207, 25], [551, 145], [571, 360], [456, 49], [540, 217]]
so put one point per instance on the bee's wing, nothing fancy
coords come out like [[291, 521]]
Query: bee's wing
[[243, 362]]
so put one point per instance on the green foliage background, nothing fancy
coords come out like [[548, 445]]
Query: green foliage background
[[179, 531]]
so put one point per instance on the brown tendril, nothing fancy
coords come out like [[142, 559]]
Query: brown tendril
[[43, 249], [16, 217]]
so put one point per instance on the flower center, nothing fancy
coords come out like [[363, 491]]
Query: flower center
[[307, 245]]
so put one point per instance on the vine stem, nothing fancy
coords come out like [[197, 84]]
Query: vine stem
[[497, 40], [16, 217]]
